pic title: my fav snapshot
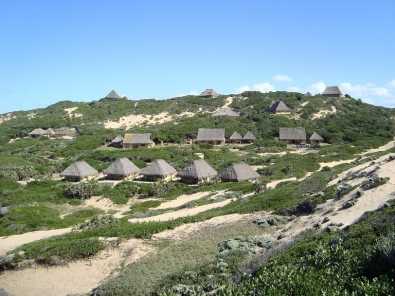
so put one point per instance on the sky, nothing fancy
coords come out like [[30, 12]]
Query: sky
[[80, 50]]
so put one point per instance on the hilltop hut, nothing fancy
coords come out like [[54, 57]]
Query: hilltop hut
[[249, 137], [117, 142], [238, 172], [137, 140], [113, 95], [332, 91], [213, 136], [209, 93], [65, 132], [121, 168], [39, 132], [225, 111], [199, 171], [316, 139], [159, 169], [78, 171], [279, 107], [293, 135], [236, 138]]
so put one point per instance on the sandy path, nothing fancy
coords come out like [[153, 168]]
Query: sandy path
[[182, 200], [324, 113], [182, 213], [185, 230], [385, 147], [9, 243], [75, 278]]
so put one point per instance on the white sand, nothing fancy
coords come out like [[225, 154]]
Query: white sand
[[324, 113], [9, 243], [182, 212], [133, 120], [71, 112], [6, 117], [182, 200], [75, 278]]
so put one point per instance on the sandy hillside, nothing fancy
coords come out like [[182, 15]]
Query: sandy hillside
[[71, 112], [76, 277], [324, 113], [182, 200]]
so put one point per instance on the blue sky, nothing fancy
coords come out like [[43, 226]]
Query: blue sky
[[80, 50]]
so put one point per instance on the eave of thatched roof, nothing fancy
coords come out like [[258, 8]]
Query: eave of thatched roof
[[198, 169], [332, 91], [211, 134], [138, 139], [236, 136], [293, 133], [316, 137]]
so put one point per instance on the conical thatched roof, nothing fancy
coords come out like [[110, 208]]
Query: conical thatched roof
[[236, 136], [209, 93], [158, 167], [239, 172], [138, 139], [113, 95], [211, 134], [249, 136], [198, 169], [278, 107], [79, 169], [38, 132], [122, 167], [332, 91], [316, 137], [292, 133]]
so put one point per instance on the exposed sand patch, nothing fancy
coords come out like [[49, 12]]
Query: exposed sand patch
[[133, 120], [182, 212], [71, 112], [107, 205], [385, 147], [75, 278], [185, 230], [324, 113], [304, 103], [228, 102], [9, 243], [6, 117], [273, 184], [182, 200]]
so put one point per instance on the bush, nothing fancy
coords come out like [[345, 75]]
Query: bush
[[82, 190]]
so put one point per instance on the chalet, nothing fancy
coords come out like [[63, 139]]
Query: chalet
[[113, 95], [213, 136], [279, 107], [238, 172], [236, 138], [117, 142], [209, 93], [225, 111], [121, 168], [316, 139], [78, 171], [159, 169], [199, 171], [293, 135], [332, 91], [249, 138], [137, 140], [65, 132]]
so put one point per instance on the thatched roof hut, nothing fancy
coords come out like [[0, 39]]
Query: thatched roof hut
[[209, 93], [136, 140], [158, 169], [279, 107], [121, 168], [226, 111], [332, 91], [211, 135], [79, 170], [113, 95], [69, 132], [38, 132], [315, 137], [116, 142], [292, 134], [249, 137], [239, 172], [198, 171], [236, 137]]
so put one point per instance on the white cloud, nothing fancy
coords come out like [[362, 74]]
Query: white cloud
[[317, 87], [282, 78], [392, 83], [261, 87], [365, 90], [294, 89]]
